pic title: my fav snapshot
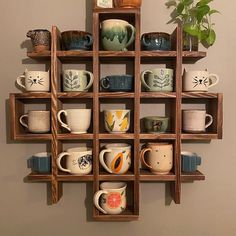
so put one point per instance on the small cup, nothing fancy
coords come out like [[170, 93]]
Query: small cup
[[156, 124], [40, 162], [158, 80], [116, 158], [190, 161], [194, 121], [113, 198], [118, 83], [34, 81], [117, 121], [77, 120], [78, 161], [38, 121], [77, 80]]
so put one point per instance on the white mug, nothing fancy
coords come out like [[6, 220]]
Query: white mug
[[77, 120], [199, 81], [116, 158], [78, 161], [38, 121], [34, 81], [194, 121]]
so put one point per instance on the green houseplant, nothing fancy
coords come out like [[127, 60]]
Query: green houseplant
[[195, 18]]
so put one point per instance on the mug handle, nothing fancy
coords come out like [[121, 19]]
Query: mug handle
[[105, 83], [101, 159], [90, 81], [210, 121], [96, 200], [59, 161], [142, 156], [214, 80], [143, 40], [143, 79], [19, 81], [132, 37], [22, 122], [90, 40], [60, 121]]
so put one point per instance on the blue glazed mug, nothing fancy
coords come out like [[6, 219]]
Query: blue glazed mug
[[40, 162], [118, 83], [190, 161]]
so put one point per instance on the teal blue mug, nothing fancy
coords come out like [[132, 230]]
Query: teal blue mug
[[190, 161], [40, 162]]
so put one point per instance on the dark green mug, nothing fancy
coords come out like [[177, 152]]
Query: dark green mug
[[156, 124]]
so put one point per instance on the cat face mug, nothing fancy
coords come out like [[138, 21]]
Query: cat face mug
[[34, 81]]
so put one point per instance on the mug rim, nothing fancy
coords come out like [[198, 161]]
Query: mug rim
[[79, 149], [42, 154], [114, 110], [74, 70], [118, 20], [105, 186], [75, 31], [40, 111], [118, 146], [168, 69], [188, 153], [36, 71], [156, 117], [74, 109]]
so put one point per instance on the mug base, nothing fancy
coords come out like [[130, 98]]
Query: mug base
[[117, 132], [157, 132], [80, 132], [160, 173]]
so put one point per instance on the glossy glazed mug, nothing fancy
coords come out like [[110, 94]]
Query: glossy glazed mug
[[77, 80], [113, 198], [199, 81], [117, 121], [189, 161], [77, 120], [37, 121], [159, 157], [78, 161], [156, 124], [159, 79], [194, 121], [114, 35], [34, 81], [40, 162], [116, 158]]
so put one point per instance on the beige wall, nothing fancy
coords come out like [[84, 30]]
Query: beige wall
[[207, 208]]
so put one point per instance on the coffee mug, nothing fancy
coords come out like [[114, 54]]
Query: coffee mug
[[114, 35], [77, 80], [199, 81], [116, 158], [40, 162], [78, 161], [194, 121], [118, 83], [117, 121], [38, 121], [159, 158], [189, 161], [159, 79], [113, 198], [77, 120], [34, 81], [156, 124]]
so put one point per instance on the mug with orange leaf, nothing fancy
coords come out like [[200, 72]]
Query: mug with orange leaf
[[116, 158]]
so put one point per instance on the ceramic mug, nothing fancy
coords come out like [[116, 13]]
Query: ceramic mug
[[38, 121], [77, 120], [114, 35], [34, 81], [78, 161], [199, 81], [40, 162], [189, 161], [77, 80], [117, 121], [113, 198], [156, 124], [194, 121], [159, 158], [159, 79], [116, 158]]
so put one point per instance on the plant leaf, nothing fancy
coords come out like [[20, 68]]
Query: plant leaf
[[180, 8], [171, 3], [203, 2], [213, 12], [187, 2], [202, 11], [191, 29], [211, 37]]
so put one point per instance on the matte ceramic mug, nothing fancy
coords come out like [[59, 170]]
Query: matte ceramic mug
[[159, 79], [77, 120], [78, 161], [116, 158], [156, 124], [199, 81], [34, 81], [77, 80], [114, 35], [113, 198], [117, 121], [194, 121], [159, 158], [189, 161], [38, 121], [40, 162]]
